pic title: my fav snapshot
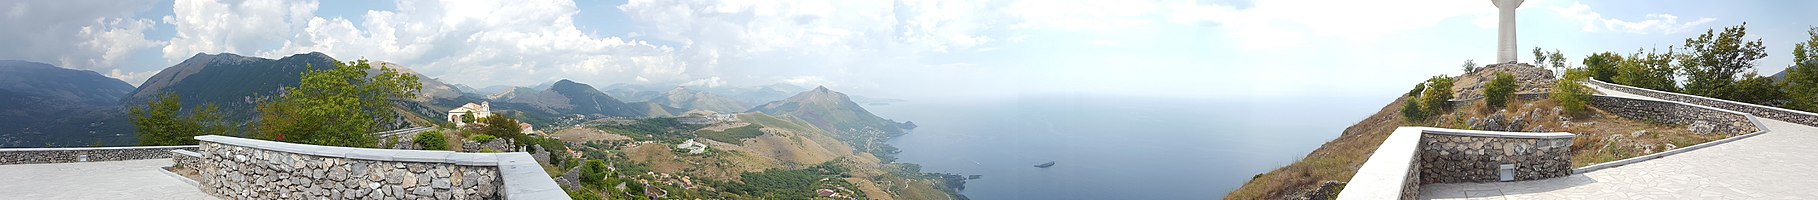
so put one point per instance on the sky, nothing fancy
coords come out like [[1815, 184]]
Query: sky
[[909, 49]]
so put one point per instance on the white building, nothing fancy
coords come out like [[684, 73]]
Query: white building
[[482, 110], [692, 147]]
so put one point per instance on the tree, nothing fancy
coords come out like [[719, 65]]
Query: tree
[[159, 122], [467, 118], [1557, 60], [1499, 91], [1434, 100], [1417, 88], [1540, 58], [1571, 95], [1712, 62], [1470, 66], [593, 173], [1756, 89], [1652, 70], [336, 107], [1602, 66], [431, 140], [1802, 78], [502, 127]]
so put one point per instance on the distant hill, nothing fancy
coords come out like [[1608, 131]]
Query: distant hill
[[744, 95], [234, 83], [237, 83], [635, 92], [45, 105], [686, 99], [1781, 76], [836, 113], [566, 97]]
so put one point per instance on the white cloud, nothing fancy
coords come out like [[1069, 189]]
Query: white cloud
[[472, 42], [1655, 23], [242, 27], [96, 35], [134, 78], [809, 81], [709, 82]]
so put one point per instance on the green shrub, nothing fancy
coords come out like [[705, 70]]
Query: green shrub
[[1571, 95], [480, 138], [1434, 101], [1499, 91], [1417, 88], [594, 173], [1411, 109], [583, 195], [432, 140]]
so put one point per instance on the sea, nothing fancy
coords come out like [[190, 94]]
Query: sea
[[1116, 147]]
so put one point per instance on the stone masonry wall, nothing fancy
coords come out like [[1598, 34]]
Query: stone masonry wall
[[1781, 114], [1463, 158], [1412, 191], [1699, 119], [239, 172], [187, 158], [13, 156]]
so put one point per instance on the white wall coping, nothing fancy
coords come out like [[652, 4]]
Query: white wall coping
[[1497, 134], [1386, 172], [396, 155], [93, 148]]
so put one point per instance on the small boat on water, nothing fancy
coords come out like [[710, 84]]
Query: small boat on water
[[1046, 165]]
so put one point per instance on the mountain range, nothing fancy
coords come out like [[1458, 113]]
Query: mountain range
[[46, 105], [52, 106]]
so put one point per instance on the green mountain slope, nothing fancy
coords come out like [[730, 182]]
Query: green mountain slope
[[45, 105], [836, 113]]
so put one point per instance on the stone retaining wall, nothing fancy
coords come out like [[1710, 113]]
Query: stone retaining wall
[[186, 158], [13, 156], [239, 168], [1699, 119], [1782, 114], [1412, 156], [1457, 157]]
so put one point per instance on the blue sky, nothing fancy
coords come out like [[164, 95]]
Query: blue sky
[[1211, 49]]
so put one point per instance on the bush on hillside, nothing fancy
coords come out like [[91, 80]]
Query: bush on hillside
[[432, 140], [594, 173], [1434, 101], [480, 138], [1417, 89], [1411, 109], [502, 127], [1499, 91], [1571, 95]]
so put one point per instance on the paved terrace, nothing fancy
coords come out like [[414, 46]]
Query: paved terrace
[[1779, 164], [131, 179]]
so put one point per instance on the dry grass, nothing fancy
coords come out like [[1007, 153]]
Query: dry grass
[[1336, 160]]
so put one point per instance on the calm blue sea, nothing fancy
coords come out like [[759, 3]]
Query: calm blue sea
[[1116, 147]]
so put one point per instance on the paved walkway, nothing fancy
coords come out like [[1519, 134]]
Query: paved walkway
[[132, 179], [1779, 164]]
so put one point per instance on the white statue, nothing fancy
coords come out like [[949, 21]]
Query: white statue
[[1505, 29]]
